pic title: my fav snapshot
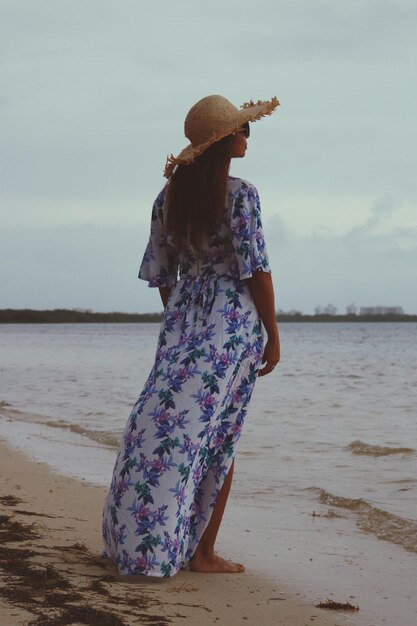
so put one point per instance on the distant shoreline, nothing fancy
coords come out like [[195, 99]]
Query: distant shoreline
[[69, 316]]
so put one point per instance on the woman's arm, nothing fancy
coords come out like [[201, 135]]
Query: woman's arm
[[262, 292], [165, 293]]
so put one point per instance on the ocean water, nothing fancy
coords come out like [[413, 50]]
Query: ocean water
[[327, 460]]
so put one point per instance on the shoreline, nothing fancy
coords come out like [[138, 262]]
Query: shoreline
[[51, 565]]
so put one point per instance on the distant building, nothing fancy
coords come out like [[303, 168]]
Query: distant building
[[292, 312], [352, 309], [381, 310], [327, 310]]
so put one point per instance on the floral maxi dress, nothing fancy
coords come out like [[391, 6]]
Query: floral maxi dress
[[181, 436]]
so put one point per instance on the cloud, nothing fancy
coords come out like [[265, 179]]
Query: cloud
[[382, 209], [366, 264], [94, 265], [277, 230]]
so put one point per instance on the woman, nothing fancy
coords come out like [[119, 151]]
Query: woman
[[207, 255]]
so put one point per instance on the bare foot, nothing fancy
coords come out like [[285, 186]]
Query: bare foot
[[214, 565]]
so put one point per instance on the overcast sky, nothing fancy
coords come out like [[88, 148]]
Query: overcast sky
[[93, 97]]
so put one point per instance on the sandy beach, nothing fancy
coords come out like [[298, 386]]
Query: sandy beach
[[52, 572]]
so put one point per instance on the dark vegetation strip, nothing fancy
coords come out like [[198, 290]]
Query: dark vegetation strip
[[69, 316]]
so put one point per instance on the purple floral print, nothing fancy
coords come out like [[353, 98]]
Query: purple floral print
[[181, 436]]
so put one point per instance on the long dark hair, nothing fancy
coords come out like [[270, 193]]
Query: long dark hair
[[196, 195]]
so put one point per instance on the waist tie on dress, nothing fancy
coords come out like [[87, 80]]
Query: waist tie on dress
[[204, 294], [203, 289]]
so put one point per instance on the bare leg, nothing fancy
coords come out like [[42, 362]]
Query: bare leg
[[204, 558]]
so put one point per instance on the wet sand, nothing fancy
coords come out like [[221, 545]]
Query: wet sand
[[51, 571]]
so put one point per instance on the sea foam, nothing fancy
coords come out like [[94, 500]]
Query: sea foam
[[367, 449], [383, 524]]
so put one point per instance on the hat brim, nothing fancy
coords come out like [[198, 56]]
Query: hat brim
[[249, 112]]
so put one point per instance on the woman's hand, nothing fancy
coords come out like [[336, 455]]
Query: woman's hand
[[270, 357]]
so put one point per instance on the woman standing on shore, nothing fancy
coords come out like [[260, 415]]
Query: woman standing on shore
[[207, 255]]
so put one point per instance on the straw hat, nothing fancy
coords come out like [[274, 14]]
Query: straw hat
[[211, 119]]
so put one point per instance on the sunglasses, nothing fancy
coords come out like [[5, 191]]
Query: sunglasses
[[245, 130]]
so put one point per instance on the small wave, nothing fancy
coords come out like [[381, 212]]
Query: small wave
[[250, 454], [359, 447], [104, 438], [353, 504], [99, 436], [384, 525], [402, 481]]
